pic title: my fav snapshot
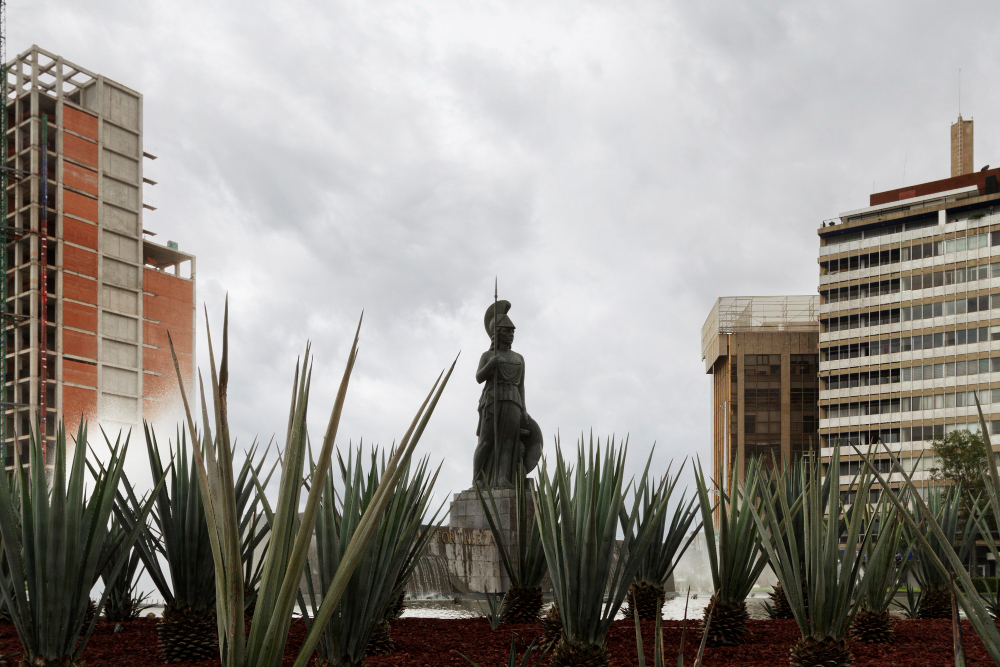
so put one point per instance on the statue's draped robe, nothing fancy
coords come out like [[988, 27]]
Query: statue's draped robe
[[499, 465]]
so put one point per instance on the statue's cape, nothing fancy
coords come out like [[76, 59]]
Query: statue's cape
[[532, 445]]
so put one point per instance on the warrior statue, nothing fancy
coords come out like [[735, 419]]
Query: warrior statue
[[508, 437]]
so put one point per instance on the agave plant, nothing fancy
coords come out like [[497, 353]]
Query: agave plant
[[493, 611], [290, 535], [946, 559], [831, 578], [935, 586], [579, 517], [735, 556], [911, 607], [360, 614], [512, 656], [178, 532], [887, 566], [989, 590], [791, 478], [254, 527], [523, 599], [62, 545], [647, 593], [187, 630], [124, 602]]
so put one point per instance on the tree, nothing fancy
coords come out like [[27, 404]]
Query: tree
[[963, 460]]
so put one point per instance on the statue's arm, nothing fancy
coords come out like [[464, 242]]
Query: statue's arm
[[486, 365]]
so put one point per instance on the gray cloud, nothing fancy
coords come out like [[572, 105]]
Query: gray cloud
[[617, 165]]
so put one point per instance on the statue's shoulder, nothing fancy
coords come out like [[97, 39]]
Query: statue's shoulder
[[518, 356]]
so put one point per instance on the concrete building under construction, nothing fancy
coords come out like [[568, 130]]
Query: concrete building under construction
[[93, 343], [762, 354]]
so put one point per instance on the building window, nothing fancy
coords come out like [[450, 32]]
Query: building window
[[762, 405]]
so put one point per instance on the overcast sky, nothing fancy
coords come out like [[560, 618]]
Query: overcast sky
[[617, 165]]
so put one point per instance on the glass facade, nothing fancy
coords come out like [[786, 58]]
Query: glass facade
[[804, 399], [762, 405]]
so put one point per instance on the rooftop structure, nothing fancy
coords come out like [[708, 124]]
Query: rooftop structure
[[961, 147]]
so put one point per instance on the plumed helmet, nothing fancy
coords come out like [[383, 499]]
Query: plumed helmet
[[503, 321]]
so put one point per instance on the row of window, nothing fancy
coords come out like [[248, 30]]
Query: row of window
[[880, 288], [955, 276], [972, 304], [859, 320], [917, 281], [910, 252], [950, 369], [904, 434], [912, 373], [856, 467], [865, 379], [960, 399], [929, 220], [926, 311], [907, 344]]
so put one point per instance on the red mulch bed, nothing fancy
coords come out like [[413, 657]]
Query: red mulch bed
[[433, 642]]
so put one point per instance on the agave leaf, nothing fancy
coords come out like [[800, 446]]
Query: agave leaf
[[369, 521], [372, 587], [967, 595], [579, 520], [290, 533], [668, 544], [528, 569], [57, 544], [884, 564], [737, 559], [833, 578]]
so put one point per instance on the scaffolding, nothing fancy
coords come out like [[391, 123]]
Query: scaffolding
[[734, 314]]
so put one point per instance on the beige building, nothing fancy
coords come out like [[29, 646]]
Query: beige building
[[762, 354], [910, 316]]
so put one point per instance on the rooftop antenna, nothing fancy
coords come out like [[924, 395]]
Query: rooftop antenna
[[905, 157], [959, 92]]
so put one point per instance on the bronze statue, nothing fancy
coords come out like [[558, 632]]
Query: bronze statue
[[508, 437]]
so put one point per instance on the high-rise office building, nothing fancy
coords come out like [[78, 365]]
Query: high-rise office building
[[910, 316], [92, 343], [762, 354]]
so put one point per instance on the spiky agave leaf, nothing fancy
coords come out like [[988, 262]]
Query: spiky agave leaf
[[254, 528], [935, 587], [966, 592], [527, 570], [290, 534], [371, 589], [178, 529], [736, 557], [791, 476], [887, 564], [579, 524], [832, 579], [60, 535], [668, 543], [124, 602]]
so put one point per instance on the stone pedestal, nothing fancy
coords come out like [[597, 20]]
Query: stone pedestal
[[466, 547]]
